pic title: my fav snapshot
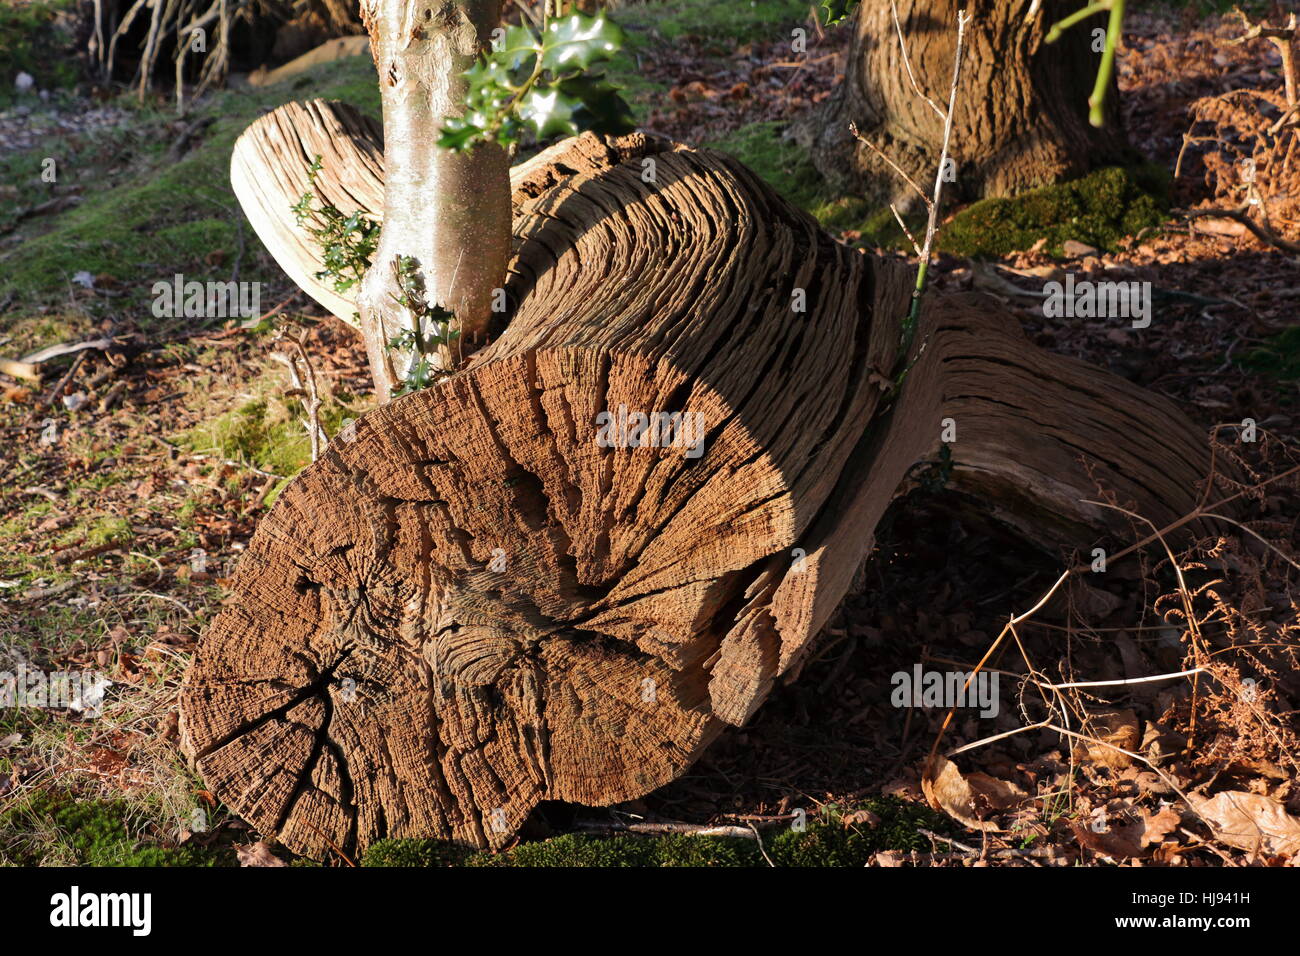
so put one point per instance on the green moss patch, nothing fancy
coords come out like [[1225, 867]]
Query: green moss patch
[[69, 831], [1100, 209], [270, 432], [36, 38], [831, 842], [265, 434], [159, 216]]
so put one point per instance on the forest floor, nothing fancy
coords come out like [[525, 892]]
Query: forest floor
[[134, 475]]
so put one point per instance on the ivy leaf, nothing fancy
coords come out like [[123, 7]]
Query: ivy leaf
[[576, 41]]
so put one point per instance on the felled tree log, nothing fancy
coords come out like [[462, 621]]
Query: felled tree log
[[269, 175], [471, 603]]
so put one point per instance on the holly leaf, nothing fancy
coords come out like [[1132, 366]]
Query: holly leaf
[[576, 41], [545, 83], [603, 109], [835, 12], [458, 134], [550, 112], [517, 50]]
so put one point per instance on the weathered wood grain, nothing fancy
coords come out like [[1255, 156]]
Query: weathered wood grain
[[469, 604]]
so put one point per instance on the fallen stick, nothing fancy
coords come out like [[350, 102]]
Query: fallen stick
[[1261, 232], [28, 366]]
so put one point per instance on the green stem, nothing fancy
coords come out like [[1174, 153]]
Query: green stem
[[1061, 26], [522, 90], [1097, 102], [914, 313]]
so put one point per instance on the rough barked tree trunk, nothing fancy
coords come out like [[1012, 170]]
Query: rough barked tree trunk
[[1022, 113], [448, 211], [473, 603]]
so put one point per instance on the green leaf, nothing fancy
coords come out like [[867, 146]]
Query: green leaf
[[603, 109], [542, 83], [576, 41], [518, 49], [837, 11], [550, 112]]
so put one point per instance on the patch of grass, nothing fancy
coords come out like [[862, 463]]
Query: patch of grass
[[738, 20], [830, 842], [267, 431], [263, 433], [53, 828], [36, 38], [29, 334], [1100, 209], [786, 167], [108, 531], [164, 217], [1278, 357]]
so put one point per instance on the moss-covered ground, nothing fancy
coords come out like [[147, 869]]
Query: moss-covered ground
[[830, 840], [99, 526], [46, 828], [1100, 210]]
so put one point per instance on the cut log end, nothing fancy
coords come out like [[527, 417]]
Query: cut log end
[[502, 590], [469, 605]]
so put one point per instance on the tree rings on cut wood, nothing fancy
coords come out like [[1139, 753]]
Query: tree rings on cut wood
[[484, 595], [505, 589]]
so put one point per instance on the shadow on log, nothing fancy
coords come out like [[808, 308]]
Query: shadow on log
[[477, 599]]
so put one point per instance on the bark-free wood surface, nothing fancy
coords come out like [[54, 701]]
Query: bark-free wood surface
[[468, 605]]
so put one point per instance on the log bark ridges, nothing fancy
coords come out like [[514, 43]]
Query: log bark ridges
[[468, 605]]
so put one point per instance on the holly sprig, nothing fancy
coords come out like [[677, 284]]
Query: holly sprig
[[547, 80], [430, 329], [347, 240]]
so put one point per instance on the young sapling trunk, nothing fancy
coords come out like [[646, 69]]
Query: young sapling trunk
[[446, 226]]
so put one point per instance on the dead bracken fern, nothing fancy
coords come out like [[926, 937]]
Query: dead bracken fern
[[1245, 146], [1220, 636]]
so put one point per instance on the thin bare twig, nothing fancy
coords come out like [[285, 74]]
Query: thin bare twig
[[761, 849], [853, 128], [307, 385], [907, 62], [1262, 231]]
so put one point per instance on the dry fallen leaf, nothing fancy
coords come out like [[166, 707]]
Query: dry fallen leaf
[[947, 790], [1158, 825], [1250, 821], [1119, 841], [864, 817], [1105, 834], [257, 854], [994, 793], [1116, 728]]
